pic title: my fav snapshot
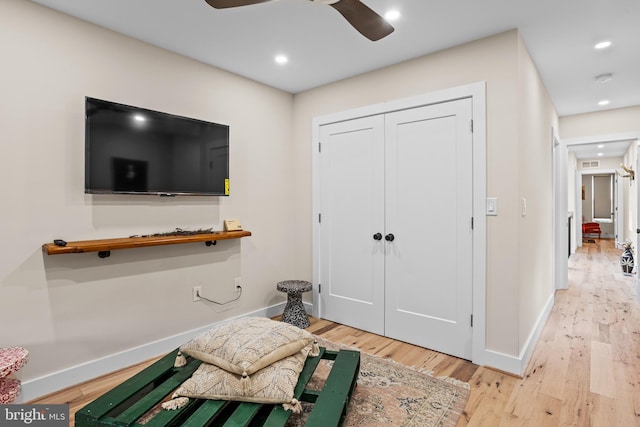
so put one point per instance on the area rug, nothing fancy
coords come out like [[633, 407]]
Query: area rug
[[387, 394], [391, 394]]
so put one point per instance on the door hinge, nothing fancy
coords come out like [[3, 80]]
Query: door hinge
[[471, 126], [319, 217], [319, 147], [472, 223], [319, 288], [472, 320]]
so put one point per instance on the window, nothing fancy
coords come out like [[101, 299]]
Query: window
[[602, 197]]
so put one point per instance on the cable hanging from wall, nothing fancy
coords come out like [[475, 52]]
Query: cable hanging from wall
[[238, 291]]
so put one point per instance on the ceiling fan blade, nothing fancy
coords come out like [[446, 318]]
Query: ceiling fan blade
[[223, 4], [362, 18]]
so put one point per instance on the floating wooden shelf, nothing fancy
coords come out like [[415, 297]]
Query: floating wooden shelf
[[104, 246]]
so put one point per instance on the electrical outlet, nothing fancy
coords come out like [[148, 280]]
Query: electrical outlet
[[196, 291]]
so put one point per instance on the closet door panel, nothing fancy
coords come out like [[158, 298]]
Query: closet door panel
[[352, 212], [428, 276]]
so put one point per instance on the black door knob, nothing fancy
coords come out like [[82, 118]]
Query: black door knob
[[377, 236], [389, 237]]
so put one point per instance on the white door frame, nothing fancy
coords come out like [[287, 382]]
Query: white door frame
[[560, 213], [637, 206], [477, 92], [619, 214], [617, 201]]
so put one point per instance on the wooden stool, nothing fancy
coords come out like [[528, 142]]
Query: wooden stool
[[294, 312]]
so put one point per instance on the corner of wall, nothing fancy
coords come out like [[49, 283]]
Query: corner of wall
[[517, 365]]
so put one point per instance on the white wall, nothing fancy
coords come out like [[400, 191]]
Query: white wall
[[615, 121], [73, 309], [512, 82], [536, 118], [606, 164]]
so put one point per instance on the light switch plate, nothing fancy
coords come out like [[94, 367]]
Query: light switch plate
[[492, 206]]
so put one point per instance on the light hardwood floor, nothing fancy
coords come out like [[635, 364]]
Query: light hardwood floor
[[584, 370]]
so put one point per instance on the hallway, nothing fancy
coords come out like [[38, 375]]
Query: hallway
[[586, 364]]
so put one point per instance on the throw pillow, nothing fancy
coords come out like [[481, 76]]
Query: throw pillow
[[244, 346], [273, 384]]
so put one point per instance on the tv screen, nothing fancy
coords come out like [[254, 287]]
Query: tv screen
[[131, 150]]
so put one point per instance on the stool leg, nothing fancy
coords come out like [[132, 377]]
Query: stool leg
[[294, 312]]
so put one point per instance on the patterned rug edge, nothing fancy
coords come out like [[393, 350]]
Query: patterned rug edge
[[456, 411]]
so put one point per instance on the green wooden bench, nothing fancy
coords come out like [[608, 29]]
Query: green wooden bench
[[125, 404]]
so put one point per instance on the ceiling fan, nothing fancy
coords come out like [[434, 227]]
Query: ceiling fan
[[360, 16]]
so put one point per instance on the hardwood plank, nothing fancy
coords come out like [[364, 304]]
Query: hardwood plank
[[601, 372], [490, 392], [553, 380], [627, 398], [576, 407], [603, 411]]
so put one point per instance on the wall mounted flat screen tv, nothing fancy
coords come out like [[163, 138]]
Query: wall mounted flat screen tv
[[131, 150]]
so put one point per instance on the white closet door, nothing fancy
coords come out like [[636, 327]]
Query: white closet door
[[352, 211], [429, 199]]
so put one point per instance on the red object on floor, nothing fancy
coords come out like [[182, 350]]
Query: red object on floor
[[9, 390], [591, 228], [12, 359]]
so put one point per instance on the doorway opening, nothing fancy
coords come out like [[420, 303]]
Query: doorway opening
[[602, 211], [599, 196]]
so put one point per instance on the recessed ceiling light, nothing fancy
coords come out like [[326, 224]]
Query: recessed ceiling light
[[603, 102], [281, 59], [600, 154], [603, 78], [600, 145], [602, 45], [139, 118], [392, 15]]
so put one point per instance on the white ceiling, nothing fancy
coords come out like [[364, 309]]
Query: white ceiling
[[322, 47], [599, 150]]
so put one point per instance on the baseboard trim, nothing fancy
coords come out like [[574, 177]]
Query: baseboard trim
[[56, 381], [516, 365], [532, 339]]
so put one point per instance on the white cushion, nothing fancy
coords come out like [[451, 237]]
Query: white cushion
[[246, 345]]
